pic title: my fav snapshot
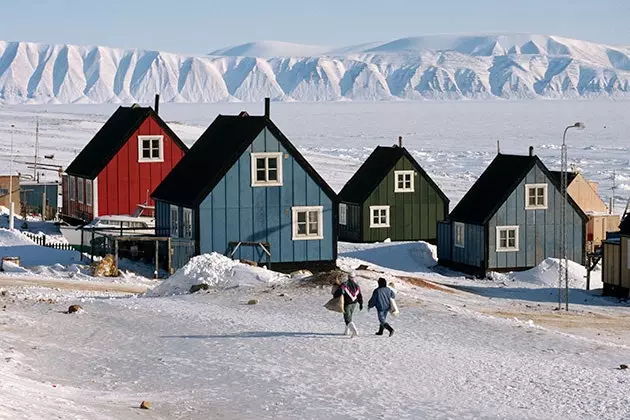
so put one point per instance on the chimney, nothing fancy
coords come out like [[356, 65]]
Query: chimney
[[498, 147], [267, 107], [399, 141], [156, 107], [531, 150]]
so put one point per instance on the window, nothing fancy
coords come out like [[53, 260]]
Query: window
[[507, 238], [187, 223], [404, 181], [80, 190], [150, 148], [343, 214], [459, 235], [175, 221], [266, 169], [71, 187], [307, 223], [4, 191], [88, 192], [535, 196], [379, 216]]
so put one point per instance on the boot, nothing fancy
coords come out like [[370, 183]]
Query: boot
[[380, 330], [353, 330], [390, 329], [347, 331]]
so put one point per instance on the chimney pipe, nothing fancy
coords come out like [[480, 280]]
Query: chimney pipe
[[531, 150], [267, 107], [399, 141], [156, 107], [498, 147]]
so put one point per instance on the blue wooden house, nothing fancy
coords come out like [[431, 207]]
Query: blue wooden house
[[510, 220], [243, 190]]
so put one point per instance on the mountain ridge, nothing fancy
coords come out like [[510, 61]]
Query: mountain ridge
[[438, 67]]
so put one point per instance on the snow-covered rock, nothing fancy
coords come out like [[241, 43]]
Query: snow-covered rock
[[429, 67]]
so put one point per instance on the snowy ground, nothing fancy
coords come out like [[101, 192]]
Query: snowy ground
[[463, 348]]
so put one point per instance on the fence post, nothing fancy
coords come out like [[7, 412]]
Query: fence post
[[169, 256], [44, 240], [81, 249], [116, 254], [92, 247], [157, 266]]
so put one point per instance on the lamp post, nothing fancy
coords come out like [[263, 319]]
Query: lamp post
[[11, 207], [563, 268]]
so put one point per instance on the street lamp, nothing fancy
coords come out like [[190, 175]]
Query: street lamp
[[11, 207], [563, 268]]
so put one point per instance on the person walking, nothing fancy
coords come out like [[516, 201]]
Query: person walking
[[381, 301], [352, 298]]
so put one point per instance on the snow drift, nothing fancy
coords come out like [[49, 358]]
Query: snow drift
[[215, 270], [430, 67]]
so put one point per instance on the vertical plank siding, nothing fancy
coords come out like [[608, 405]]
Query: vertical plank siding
[[539, 230], [236, 211], [351, 231], [611, 263], [413, 215]]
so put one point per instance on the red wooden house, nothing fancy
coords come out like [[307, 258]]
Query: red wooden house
[[119, 168]]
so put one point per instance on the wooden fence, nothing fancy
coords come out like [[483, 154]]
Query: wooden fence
[[42, 241]]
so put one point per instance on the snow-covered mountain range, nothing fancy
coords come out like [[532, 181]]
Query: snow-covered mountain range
[[429, 67]]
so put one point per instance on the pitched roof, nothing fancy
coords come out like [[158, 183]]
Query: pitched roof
[[374, 169], [216, 151], [112, 137], [495, 185], [558, 176]]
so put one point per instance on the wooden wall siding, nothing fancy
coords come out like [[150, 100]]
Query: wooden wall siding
[[352, 230], [611, 263], [539, 235], [473, 251], [236, 211], [597, 227], [73, 207], [444, 241], [125, 182], [412, 216], [585, 196], [624, 267], [162, 218]]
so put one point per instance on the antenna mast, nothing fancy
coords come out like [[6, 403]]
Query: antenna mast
[[612, 199], [35, 176]]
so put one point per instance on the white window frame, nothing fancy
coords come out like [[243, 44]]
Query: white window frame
[[71, 188], [343, 214], [80, 190], [379, 224], [460, 234], [89, 192], [320, 223], [536, 206], [174, 227], [187, 223], [142, 139], [266, 156], [402, 174], [500, 229]]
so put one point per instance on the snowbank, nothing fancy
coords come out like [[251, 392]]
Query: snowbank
[[546, 274], [215, 270], [15, 244], [410, 257]]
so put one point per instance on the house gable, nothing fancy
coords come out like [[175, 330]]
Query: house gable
[[585, 196], [412, 215], [538, 230], [235, 210]]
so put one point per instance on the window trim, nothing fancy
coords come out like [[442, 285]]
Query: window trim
[[343, 214], [161, 148], [545, 195], [174, 210], [187, 227], [294, 223], [397, 189], [266, 155], [462, 226], [499, 229], [379, 225], [71, 188]]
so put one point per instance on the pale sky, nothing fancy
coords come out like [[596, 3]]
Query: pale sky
[[198, 27]]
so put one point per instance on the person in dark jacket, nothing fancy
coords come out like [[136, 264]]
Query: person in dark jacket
[[352, 298], [381, 301]]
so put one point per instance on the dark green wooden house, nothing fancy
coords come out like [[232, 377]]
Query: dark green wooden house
[[390, 196]]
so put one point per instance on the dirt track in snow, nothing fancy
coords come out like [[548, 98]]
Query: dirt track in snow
[[72, 285]]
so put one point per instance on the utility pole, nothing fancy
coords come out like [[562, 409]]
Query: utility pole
[[612, 199]]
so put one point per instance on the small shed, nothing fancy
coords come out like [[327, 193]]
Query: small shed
[[510, 219], [34, 194], [616, 261], [245, 191], [391, 196]]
